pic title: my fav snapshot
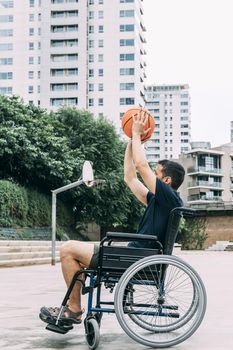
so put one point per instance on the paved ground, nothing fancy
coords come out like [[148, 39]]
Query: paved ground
[[23, 290]]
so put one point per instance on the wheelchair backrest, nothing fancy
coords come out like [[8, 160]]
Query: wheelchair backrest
[[173, 227]]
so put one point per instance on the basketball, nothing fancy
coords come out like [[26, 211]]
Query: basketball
[[127, 122]]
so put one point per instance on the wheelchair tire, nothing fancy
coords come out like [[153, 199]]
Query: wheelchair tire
[[92, 333], [163, 308]]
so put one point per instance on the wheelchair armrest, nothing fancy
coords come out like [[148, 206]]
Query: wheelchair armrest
[[121, 236]]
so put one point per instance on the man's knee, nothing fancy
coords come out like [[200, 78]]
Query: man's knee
[[67, 249]]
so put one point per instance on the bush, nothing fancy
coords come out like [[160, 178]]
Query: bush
[[21, 207], [192, 233]]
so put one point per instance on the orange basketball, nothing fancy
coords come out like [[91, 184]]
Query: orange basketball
[[127, 122]]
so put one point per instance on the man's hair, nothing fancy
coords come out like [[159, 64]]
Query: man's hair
[[174, 170]]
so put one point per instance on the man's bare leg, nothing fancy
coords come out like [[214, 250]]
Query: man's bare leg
[[74, 256]]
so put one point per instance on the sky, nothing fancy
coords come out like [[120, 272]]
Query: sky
[[191, 41]]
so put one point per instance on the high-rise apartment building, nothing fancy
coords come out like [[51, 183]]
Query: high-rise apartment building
[[170, 105], [209, 175], [83, 53]]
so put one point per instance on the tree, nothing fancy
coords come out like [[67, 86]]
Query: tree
[[45, 151]]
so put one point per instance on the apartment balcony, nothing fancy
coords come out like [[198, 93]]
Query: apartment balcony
[[207, 184], [204, 170], [67, 7], [72, 35], [64, 20], [204, 198]]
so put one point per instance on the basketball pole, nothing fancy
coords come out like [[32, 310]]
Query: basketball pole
[[88, 180], [54, 214]]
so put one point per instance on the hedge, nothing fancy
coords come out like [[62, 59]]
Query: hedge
[[25, 207]]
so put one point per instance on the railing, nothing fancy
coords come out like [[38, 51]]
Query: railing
[[205, 184], [219, 205], [204, 170], [206, 198]]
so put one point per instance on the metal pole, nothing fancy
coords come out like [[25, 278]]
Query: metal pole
[[54, 200]]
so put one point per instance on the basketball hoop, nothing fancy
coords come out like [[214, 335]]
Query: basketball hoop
[[87, 174]]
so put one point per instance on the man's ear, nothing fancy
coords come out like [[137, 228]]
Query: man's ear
[[167, 180]]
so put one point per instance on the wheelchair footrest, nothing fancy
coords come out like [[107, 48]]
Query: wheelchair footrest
[[61, 329]]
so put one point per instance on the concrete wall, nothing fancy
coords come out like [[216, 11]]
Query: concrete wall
[[219, 228]]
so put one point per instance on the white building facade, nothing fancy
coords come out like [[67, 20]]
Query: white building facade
[[87, 54], [170, 105]]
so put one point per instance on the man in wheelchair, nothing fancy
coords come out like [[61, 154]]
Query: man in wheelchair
[[158, 194]]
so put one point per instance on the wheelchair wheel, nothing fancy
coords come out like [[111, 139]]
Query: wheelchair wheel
[[174, 324], [92, 332], [160, 301]]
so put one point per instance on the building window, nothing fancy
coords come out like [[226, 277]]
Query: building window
[[91, 44], [91, 87], [64, 58], [126, 1], [127, 13], [64, 43], [30, 74], [91, 102], [71, 101], [101, 43], [31, 17], [127, 57], [91, 58], [6, 61], [30, 89], [6, 32], [127, 101], [101, 2], [101, 29], [6, 75], [126, 71], [101, 72], [127, 86], [7, 3], [31, 60], [91, 2], [126, 42], [91, 29], [101, 58], [64, 87], [91, 73], [91, 14], [100, 14], [6, 18], [6, 90], [126, 27], [64, 72], [31, 3], [101, 87], [31, 46], [31, 31], [101, 102]]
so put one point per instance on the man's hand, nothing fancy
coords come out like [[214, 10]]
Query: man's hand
[[140, 121]]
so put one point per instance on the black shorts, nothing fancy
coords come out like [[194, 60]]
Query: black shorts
[[95, 257]]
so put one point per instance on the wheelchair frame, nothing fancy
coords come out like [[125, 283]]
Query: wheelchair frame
[[130, 270]]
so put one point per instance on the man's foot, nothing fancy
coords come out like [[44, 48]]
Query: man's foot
[[50, 314]]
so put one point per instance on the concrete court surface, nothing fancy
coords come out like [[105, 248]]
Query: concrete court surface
[[23, 290]]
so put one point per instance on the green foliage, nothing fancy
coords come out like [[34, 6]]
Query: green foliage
[[28, 208], [192, 233], [45, 151]]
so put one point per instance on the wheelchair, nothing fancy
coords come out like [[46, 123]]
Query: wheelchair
[[159, 300]]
